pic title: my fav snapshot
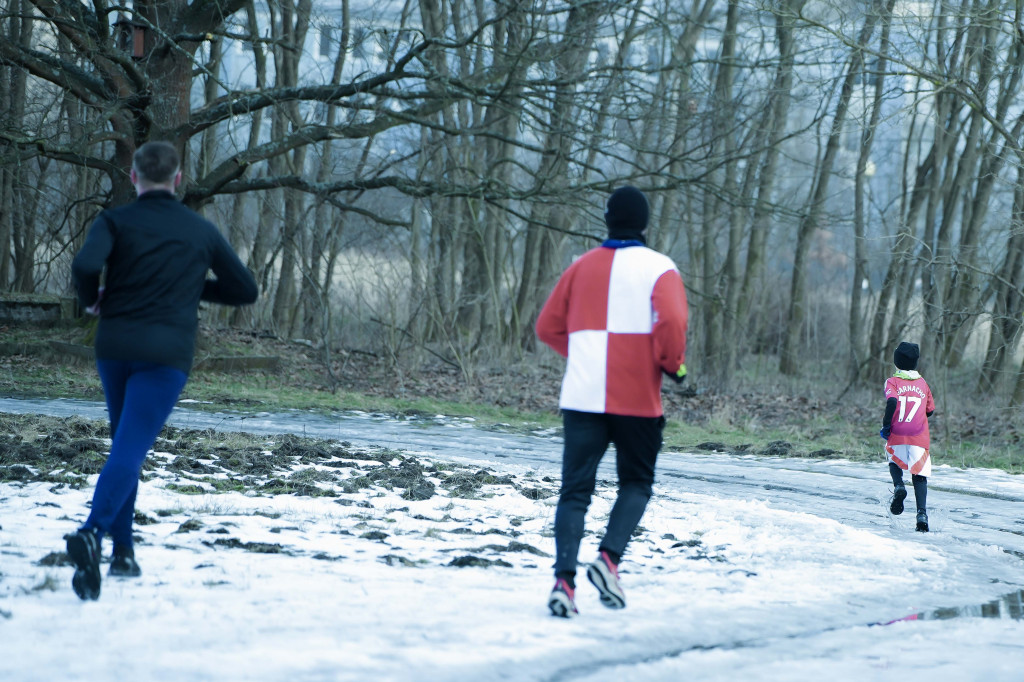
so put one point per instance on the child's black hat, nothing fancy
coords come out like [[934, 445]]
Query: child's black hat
[[906, 356]]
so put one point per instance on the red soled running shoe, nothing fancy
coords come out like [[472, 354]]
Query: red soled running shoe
[[561, 600], [604, 573]]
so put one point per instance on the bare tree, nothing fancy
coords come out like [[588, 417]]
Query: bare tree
[[789, 355], [874, 72], [466, 147]]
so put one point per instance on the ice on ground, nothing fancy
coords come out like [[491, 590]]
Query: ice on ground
[[759, 568]]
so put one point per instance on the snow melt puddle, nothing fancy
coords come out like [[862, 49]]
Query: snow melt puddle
[[1009, 606]]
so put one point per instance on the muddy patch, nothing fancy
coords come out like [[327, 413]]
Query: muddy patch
[[478, 562], [55, 559], [396, 560], [513, 547], [65, 451], [366, 483], [51, 449], [777, 448], [256, 547]]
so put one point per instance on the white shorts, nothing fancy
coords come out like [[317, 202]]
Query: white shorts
[[910, 458]]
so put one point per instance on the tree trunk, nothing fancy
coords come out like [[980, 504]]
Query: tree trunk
[[541, 251], [17, 29], [968, 295], [663, 232], [789, 358], [859, 350], [291, 34], [720, 193], [774, 128]]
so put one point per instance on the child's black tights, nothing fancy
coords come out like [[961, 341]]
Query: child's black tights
[[920, 485]]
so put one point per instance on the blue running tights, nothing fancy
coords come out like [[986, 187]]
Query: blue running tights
[[140, 397]]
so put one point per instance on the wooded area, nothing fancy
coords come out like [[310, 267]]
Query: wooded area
[[831, 177]]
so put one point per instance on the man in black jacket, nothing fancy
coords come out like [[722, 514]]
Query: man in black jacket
[[157, 254]]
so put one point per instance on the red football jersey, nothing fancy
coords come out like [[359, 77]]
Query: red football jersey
[[913, 403]]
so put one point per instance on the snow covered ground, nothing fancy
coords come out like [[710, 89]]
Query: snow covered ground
[[745, 568]]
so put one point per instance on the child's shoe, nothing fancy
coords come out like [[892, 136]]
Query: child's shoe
[[604, 573], [561, 600], [898, 495], [922, 520], [83, 548], [123, 564]]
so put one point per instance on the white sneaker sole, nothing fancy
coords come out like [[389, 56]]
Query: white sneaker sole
[[607, 585], [561, 606]]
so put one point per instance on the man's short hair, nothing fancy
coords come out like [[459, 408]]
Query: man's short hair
[[156, 163]]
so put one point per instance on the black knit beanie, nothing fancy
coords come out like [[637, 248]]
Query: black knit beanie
[[906, 355], [626, 213]]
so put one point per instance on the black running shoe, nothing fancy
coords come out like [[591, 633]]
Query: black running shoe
[[123, 564], [922, 520], [900, 494], [84, 551]]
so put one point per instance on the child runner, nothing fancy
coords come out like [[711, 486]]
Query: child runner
[[908, 404]]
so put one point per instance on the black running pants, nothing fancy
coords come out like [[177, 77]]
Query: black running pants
[[587, 436]]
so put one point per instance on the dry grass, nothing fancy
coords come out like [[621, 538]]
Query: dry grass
[[980, 432]]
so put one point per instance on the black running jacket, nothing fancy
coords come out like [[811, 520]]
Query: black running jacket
[[157, 254]]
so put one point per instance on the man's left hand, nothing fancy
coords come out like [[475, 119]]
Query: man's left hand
[[94, 309], [679, 376]]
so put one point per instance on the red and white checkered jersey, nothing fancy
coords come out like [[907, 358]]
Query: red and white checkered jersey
[[619, 315]]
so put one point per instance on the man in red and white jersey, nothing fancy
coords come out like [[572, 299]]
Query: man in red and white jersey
[[618, 314]]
